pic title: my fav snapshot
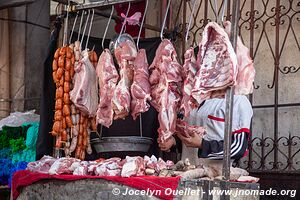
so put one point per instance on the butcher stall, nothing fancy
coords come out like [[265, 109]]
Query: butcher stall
[[114, 103]]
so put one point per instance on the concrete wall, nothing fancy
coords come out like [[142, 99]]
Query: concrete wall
[[17, 51], [37, 39]]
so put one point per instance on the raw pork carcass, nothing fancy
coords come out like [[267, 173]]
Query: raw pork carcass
[[42, 166], [166, 81], [108, 79], [190, 69], [140, 88], [85, 92], [217, 63], [125, 55], [245, 68], [134, 166]]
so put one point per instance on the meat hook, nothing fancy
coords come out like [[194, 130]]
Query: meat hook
[[124, 23], [190, 22], [66, 25], [105, 32], [74, 23], [141, 26], [79, 30], [223, 10], [215, 9], [91, 23], [165, 19], [86, 22]]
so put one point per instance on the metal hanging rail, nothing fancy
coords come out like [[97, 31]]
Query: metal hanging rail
[[102, 3], [105, 4]]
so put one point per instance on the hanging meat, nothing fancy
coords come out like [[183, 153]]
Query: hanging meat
[[166, 81], [108, 78], [93, 58], [245, 68], [85, 92], [217, 61], [125, 55], [63, 62], [140, 89], [190, 69]]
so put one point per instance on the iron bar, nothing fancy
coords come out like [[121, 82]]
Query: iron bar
[[276, 73], [251, 54], [205, 12], [229, 101], [98, 12], [103, 3], [184, 28], [278, 105], [228, 17]]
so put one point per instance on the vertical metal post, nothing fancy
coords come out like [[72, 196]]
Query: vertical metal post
[[228, 17], [205, 12], [229, 99], [277, 22], [252, 13], [184, 29]]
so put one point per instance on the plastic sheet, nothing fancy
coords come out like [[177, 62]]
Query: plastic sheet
[[18, 118]]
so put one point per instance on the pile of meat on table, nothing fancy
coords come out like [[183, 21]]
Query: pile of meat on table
[[134, 166]]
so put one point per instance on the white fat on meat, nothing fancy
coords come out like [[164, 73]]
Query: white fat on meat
[[85, 92], [190, 69], [62, 165], [166, 81], [125, 55], [42, 166], [245, 67], [134, 166], [108, 78], [140, 88], [217, 63]]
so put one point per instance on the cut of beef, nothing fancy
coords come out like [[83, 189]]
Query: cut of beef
[[217, 63], [125, 55], [140, 89], [85, 92], [108, 79]]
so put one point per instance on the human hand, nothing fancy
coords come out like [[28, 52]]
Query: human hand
[[194, 140], [167, 144]]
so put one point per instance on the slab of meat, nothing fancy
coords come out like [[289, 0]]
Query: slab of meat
[[166, 81], [134, 166], [217, 61], [140, 88], [42, 166], [125, 55], [245, 68], [62, 165], [108, 78], [186, 130], [85, 92], [190, 69]]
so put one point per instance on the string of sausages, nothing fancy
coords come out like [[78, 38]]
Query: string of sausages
[[71, 127], [63, 70]]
